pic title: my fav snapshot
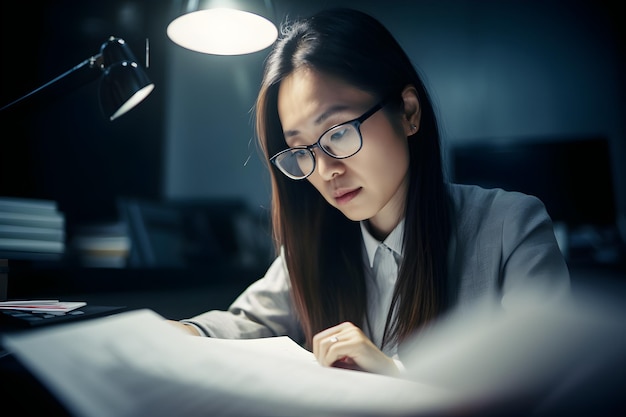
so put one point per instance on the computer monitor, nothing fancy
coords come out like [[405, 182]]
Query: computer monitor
[[573, 177]]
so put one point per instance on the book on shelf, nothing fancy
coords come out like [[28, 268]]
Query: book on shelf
[[51, 220], [9, 231], [31, 245], [101, 245], [30, 227], [28, 205], [30, 256]]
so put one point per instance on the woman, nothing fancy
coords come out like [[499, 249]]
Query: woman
[[372, 242]]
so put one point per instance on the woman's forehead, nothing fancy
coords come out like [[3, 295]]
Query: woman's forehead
[[308, 94]]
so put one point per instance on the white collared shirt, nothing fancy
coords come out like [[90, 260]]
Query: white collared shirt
[[381, 263]]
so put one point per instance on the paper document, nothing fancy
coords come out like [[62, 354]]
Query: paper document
[[561, 358], [136, 364], [52, 306]]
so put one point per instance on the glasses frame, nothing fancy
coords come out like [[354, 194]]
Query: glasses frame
[[356, 123]]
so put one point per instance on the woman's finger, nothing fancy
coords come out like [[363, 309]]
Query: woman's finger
[[337, 343], [326, 338]]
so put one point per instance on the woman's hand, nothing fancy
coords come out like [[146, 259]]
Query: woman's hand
[[346, 346], [185, 327]]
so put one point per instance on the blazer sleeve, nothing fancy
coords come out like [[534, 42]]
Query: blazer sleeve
[[533, 267], [264, 309], [504, 247]]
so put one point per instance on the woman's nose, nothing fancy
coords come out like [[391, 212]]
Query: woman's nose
[[327, 166]]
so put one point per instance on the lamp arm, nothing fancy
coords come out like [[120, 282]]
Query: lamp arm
[[81, 74]]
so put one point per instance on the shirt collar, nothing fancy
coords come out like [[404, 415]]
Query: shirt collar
[[393, 241]]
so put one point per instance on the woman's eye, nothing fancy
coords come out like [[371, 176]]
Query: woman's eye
[[300, 153], [338, 134]]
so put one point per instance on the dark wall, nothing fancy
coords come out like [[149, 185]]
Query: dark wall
[[498, 71], [60, 146]]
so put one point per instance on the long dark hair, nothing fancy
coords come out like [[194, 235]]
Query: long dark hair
[[322, 248]]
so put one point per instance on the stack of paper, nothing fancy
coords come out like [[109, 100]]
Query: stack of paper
[[30, 227], [47, 306]]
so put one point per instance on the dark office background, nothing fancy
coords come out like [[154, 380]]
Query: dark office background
[[515, 82], [500, 72]]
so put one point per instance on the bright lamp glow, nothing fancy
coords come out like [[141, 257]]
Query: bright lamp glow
[[222, 31]]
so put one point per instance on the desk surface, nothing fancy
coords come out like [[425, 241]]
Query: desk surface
[[174, 293], [23, 393]]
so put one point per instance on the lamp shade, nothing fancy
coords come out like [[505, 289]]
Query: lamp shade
[[222, 27], [124, 84]]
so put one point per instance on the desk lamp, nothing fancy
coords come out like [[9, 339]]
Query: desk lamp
[[223, 27], [123, 83]]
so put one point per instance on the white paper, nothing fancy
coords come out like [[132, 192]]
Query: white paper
[[136, 364], [43, 306], [22, 302], [563, 358]]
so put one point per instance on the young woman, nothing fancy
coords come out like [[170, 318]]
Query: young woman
[[372, 242]]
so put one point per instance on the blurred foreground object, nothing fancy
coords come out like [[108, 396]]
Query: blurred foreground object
[[561, 357]]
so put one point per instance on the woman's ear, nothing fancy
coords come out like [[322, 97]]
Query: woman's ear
[[411, 111]]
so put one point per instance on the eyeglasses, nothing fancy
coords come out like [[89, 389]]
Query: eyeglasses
[[340, 141]]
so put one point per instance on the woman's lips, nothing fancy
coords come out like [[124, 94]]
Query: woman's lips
[[343, 197]]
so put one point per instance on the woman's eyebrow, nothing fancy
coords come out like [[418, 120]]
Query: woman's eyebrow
[[320, 119], [329, 112]]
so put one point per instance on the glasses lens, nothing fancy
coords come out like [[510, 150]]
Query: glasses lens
[[341, 141], [296, 163]]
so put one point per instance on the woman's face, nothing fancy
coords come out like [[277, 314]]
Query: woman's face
[[372, 184]]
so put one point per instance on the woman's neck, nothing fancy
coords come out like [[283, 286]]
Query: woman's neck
[[383, 223], [378, 231]]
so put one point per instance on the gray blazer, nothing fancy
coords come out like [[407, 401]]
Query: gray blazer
[[502, 245]]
